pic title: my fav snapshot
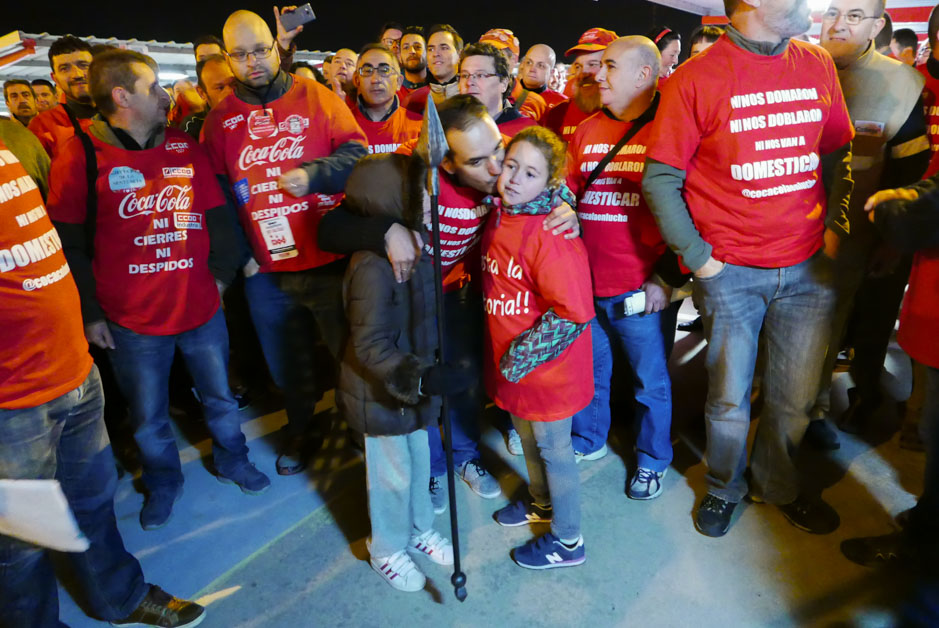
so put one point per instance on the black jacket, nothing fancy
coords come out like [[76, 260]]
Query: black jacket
[[392, 326]]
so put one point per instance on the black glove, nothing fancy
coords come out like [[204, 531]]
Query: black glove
[[447, 379]]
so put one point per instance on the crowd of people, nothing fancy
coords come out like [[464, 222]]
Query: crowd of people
[[280, 205]]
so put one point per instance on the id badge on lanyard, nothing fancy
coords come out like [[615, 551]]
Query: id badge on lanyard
[[278, 238]]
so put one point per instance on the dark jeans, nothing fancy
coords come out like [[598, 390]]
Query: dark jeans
[[66, 439], [142, 367], [287, 309], [923, 527], [463, 312]]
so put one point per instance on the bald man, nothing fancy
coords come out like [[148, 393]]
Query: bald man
[[624, 246], [535, 70], [285, 146], [343, 71]]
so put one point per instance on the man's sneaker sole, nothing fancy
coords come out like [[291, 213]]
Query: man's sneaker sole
[[244, 490], [565, 563], [596, 455], [191, 624]]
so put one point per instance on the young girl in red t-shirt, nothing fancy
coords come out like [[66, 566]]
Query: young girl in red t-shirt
[[539, 359]]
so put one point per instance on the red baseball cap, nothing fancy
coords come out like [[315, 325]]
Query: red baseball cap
[[592, 41], [501, 38]]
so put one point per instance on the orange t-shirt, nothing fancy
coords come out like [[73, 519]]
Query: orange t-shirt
[[43, 352]]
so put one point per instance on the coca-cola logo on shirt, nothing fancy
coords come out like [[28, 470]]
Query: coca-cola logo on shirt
[[284, 149], [170, 198]]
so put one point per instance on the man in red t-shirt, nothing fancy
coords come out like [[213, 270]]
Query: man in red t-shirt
[[378, 110], [145, 274], [70, 59], [285, 146], [930, 71], [52, 422], [585, 100], [535, 70], [624, 245], [484, 75], [468, 173], [748, 178]]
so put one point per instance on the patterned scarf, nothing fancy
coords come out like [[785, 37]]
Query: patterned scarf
[[539, 206]]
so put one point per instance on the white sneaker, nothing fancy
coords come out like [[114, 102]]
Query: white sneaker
[[514, 443], [399, 571], [596, 455], [435, 547]]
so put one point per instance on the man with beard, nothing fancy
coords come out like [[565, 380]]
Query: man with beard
[[44, 91], [751, 144], [413, 58], [467, 175], [535, 70], [70, 59], [564, 118], [274, 135], [891, 151], [444, 46], [342, 70], [378, 111], [484, 75], [21, 102]]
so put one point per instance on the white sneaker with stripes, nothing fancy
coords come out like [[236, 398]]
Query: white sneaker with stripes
[[399, 571], [433, 546]]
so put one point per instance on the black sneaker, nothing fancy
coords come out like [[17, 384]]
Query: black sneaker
[[811, 515], [820, 435], [160, 608], [874, 551], [713, 516]]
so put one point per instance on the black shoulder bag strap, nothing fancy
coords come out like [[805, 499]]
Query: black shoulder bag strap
[[91, 177], [638, 123]]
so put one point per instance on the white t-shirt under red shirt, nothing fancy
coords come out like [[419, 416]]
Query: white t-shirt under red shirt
[[151, 245], [622, 239], [43, 352], [750, 131], [253, 145]]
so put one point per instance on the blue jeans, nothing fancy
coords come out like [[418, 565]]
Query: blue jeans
[[552, 472], [142, 368], [397, 469], [463, 314], [66, 439], [287, 310], [793, 306], [643, 341]]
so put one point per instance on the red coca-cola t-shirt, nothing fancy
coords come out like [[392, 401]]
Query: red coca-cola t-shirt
[[43, 352], [526, 271], [151, 245], [253, 145], [622, 238], [386, 136], [931, 103], [750, 131]]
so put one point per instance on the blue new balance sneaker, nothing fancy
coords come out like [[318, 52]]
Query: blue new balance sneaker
[[547, 552], [521, 513]]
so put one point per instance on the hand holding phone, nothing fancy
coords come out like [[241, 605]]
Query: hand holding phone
[[294, 18]]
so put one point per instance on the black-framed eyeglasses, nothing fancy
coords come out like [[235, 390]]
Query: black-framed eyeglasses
[[384, 70], [852, 18], [262, 52], [476, 76]]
